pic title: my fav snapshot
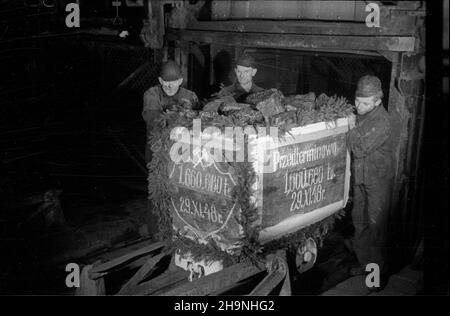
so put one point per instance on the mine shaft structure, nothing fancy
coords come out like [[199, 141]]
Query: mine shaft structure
[[194, 31], [181, 29]]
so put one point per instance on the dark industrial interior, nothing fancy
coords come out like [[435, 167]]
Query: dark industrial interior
[[73, 180]]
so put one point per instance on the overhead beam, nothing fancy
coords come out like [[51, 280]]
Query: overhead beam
[[305, 27], [297, 42]]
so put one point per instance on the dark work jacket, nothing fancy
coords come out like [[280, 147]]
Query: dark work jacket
[[239, 93], [371, 145], [156, 102]]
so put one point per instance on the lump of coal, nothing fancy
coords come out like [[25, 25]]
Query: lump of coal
[[218, 104], [208, 115], [311, 96], [234, 107], [289, 107], [269, 108], [285, 118], [190, 114], [261, 96], [322, 100], [212, 106], [268, 102], [228, 99], [247, 116], [300, 101]]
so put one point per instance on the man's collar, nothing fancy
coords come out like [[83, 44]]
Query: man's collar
[[369, 114], [254, 87], [164, 92], [239, 87]]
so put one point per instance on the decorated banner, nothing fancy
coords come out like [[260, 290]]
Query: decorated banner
[[202, 206], [308, 175]]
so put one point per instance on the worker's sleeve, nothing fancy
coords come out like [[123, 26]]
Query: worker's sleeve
[[151, 109], [195, 101], [190, 101], [363, 140], [225, 91]]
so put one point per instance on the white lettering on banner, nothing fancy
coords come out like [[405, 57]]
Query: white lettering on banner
[[305, 186], [304, 198], [213, 148], [300, 179], [200, 210], [297, 157], [204, 181]]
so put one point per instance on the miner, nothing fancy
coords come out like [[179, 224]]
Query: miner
[[160, 99], [245, 69], [371, 146], [167, 96]]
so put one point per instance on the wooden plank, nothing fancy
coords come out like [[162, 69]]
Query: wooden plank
[[171, 286], [278, 272], [298, 42], [104, 267], [241, 284], [216, 281], [140, 274], [286, 288], [268, 283], [163, 281], [89, 287]]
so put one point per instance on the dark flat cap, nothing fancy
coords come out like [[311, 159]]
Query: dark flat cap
[[368, 86], [170, 71], [246, 60]]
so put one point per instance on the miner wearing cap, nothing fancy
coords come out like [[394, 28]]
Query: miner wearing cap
[[160, 99], [371, 147], [245, 70], [167, 96]]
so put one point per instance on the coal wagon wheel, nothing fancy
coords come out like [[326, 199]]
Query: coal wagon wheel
[[305, 255]]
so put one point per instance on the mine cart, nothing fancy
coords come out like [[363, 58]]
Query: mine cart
[[300, 179]]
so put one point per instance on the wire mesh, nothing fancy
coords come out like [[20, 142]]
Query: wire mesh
[[132, 68]]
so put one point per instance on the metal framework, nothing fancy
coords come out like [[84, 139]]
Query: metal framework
[[155, 277]]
